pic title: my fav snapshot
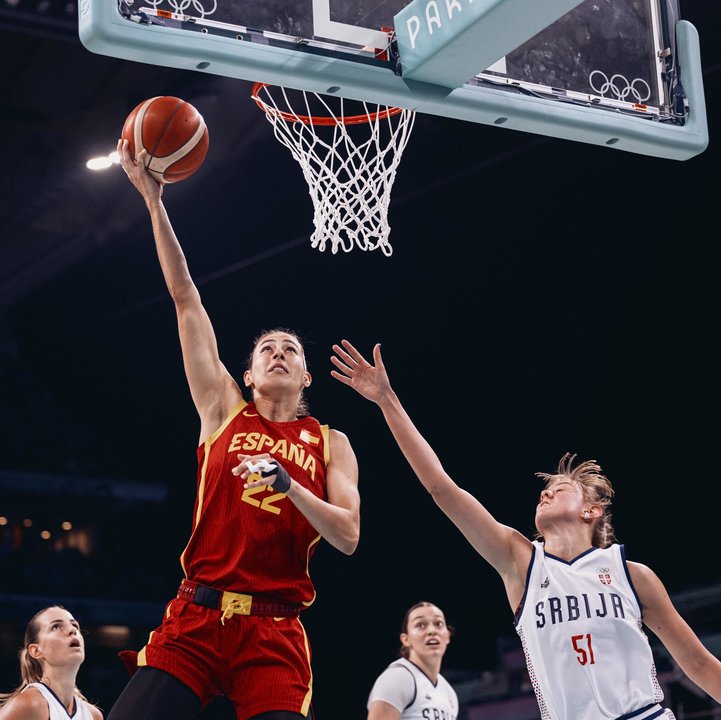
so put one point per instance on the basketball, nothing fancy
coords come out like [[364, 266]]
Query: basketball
[[174, 134]]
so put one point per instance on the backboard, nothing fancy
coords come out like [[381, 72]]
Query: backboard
[[621, 73]]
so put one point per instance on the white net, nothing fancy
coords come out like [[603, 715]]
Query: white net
[[349, 162]]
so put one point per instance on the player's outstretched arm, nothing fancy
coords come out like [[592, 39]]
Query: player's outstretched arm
[[503, 547], [213, 390], [661, 617]]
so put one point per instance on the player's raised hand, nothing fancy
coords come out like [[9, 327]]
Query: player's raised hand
[[134, 168], [371, 381]]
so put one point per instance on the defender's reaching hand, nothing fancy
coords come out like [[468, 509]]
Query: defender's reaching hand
[[371, 381]]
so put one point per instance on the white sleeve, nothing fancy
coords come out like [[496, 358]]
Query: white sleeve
[[395, 686]]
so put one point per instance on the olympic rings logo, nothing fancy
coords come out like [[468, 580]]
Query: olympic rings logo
[[180, 6], [619, 87]]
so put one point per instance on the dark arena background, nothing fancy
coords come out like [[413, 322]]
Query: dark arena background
[[543, 296]]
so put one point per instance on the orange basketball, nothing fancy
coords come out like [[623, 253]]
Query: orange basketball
[[174, 134]]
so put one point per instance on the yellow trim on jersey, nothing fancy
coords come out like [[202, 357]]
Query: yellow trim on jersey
[[306, 701], [201, 485], [231, 415], [325, 431], [141, 660], [201, 493], [307, 571]]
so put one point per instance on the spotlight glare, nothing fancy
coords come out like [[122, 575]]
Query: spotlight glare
[[99, 163], [104, 161]]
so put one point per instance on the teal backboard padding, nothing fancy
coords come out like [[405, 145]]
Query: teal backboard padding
[[104, 30], [445, 43]]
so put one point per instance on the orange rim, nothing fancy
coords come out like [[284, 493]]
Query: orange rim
[[313, 120]]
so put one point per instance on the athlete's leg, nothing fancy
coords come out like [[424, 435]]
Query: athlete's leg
[[153, 694]]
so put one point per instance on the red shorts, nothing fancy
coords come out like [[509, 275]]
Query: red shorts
[[260, 663]]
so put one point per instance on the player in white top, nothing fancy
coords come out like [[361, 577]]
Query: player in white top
[[579, 605], [53, 651], [412, 687]]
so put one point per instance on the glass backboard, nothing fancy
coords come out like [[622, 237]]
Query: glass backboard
[[621, 73]]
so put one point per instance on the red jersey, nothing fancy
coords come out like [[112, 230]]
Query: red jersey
[[256, 541]]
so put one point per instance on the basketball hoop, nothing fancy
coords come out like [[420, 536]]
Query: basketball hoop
[[349, 178]]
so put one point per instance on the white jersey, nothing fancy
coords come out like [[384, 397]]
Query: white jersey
[[408, 689], [57, 709], [581, 630]]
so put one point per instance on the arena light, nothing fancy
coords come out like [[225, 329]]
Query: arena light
[[103, 162], [112, 635]]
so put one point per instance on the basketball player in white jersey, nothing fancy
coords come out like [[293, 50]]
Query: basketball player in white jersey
[[579, 605], [50, 658], [412, 687]]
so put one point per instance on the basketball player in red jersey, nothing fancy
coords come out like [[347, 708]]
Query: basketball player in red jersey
[[271, 482]]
